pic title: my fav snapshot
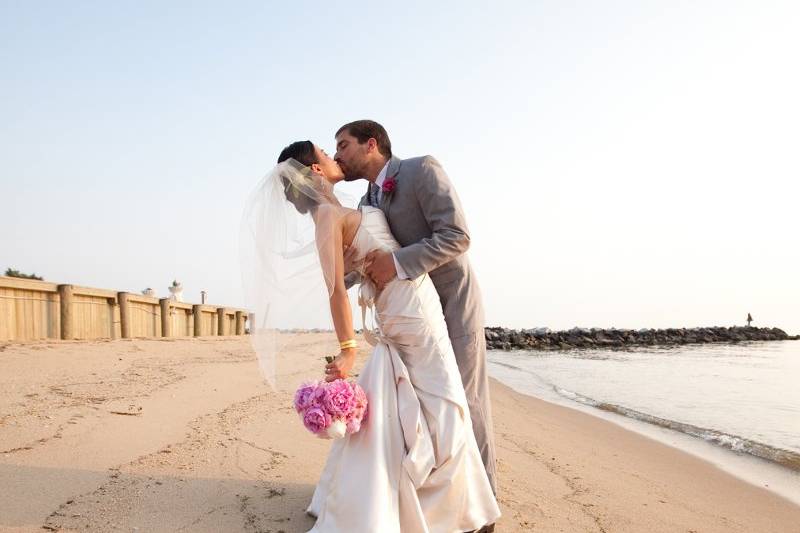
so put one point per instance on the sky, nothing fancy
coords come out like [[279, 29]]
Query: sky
[[623, 164]]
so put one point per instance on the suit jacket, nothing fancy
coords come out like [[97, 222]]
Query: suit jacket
[[426, 218]]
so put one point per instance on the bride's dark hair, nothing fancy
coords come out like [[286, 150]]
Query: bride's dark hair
[[302, 152]]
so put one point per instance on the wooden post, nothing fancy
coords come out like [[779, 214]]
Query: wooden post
[[166, 330], [198, 320], [220, 321], [112, 305], [239, 323], [124, 315], [67, 324]]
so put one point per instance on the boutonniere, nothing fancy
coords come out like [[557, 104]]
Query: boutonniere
[[389, 184]]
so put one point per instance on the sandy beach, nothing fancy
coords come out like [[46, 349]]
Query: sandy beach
[[184, 435]]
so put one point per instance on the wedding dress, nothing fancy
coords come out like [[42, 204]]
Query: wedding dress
[[414, 466]]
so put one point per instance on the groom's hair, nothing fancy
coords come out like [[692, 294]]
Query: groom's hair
[[300, 151], [363, 130]]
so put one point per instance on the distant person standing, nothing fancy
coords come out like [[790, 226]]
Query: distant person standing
[[749, 319]]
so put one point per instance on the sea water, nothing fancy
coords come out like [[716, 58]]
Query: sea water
[[737, 405]]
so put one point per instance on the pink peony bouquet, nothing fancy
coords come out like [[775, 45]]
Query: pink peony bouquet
[[330, 410]]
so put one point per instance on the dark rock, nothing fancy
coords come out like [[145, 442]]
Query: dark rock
[[545, 339]]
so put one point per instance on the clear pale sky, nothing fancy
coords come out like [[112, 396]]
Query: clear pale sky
[[628, 164]]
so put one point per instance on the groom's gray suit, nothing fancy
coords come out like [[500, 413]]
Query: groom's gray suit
[[426, 218]]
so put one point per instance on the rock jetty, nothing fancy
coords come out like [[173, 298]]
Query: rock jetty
[[499, 338]]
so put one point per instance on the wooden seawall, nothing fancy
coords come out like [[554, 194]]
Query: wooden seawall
[[31, 310]]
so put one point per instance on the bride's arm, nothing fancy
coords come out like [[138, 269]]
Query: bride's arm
[[341, 312]]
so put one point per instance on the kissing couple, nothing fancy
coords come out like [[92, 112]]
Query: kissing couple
[[424, 458]]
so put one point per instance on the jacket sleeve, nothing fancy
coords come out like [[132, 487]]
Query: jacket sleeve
[[442, 210], [351, 279]]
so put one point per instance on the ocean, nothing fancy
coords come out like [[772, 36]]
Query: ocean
[[736, 405]]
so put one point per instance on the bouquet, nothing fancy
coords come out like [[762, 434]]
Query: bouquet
[[331, 410]]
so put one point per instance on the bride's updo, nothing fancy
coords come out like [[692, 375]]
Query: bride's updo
[[302, 152]]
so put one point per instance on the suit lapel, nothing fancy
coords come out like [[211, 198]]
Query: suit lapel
[[364, 199], [367, 198], [392, 171]]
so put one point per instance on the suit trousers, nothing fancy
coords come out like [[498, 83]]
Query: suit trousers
[[463, 312]]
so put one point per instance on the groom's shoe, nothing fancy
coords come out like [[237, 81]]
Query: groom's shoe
[[489, 528]]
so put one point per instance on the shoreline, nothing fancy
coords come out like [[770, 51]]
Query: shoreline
[[781, 480], [647, 471], [208, 446]]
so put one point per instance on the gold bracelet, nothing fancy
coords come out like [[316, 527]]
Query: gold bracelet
[[348, 344]]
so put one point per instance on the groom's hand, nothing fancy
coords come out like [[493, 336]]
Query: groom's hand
[[380, 267]]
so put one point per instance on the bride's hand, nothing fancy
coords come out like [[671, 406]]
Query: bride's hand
[[340, 367]]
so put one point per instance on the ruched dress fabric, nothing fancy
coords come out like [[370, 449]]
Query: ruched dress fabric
[[414, 466]]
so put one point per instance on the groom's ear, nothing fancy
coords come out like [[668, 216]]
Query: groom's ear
[[372, 145]]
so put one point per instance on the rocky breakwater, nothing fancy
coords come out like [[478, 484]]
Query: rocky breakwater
[[499, 338]]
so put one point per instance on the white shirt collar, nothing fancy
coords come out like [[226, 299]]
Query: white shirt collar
[[382, 175]]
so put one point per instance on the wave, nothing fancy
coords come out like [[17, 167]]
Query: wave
[[735, 443], [512, 367]]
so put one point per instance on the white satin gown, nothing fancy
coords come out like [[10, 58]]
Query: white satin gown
[[414, 466]]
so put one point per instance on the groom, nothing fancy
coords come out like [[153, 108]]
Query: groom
[[426, 218]]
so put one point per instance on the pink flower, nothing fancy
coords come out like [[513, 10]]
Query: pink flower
[[358, 416], [388, 185], [304, 396], [331, 410], [316, 420], [339, 399], [319, 395], [361, 397]]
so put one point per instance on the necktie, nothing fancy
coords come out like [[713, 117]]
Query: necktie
[[373, 195]]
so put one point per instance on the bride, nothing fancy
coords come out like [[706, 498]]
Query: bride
[[414, 466]]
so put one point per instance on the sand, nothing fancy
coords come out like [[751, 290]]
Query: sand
[[183, 435]]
